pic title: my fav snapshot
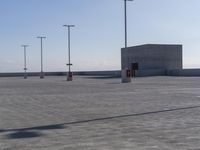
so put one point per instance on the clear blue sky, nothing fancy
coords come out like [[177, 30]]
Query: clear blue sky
[[99, 32]]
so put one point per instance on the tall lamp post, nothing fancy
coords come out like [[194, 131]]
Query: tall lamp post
[[41, 73], [126, 72], [125, 19], [25, 67], [69, 74]]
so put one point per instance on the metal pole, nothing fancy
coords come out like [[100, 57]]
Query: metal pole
[[41, 60], [69, 53], [125, 17], [41, 73], [125, 21], [69, 74], [25, 66], [25, 61]]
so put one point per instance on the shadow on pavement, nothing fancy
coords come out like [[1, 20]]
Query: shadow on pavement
[[34, 131], [23, 134], [30, 132], [101, 77]]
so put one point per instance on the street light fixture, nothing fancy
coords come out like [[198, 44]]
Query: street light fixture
[[125, 16], [42, 73], [25, 67], [69, 74]]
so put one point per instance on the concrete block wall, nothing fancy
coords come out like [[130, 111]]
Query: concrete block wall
[[152, 56], [146, 73], [113, 73], [117, 73], [20, 74], [184, 72]]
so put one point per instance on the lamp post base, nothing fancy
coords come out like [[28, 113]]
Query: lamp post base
[[69, 79], [42, 75], [126, 76], [25, 75], [70, 76]]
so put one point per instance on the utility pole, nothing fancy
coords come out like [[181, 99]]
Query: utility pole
[[41, 73], [25, 67], [69, 74]]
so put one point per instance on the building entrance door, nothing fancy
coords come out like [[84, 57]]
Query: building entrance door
[[134, 67]]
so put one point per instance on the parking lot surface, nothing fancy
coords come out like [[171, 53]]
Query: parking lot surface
[[95, 113]]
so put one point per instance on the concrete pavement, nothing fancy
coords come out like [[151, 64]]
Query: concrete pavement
[[154, 113]]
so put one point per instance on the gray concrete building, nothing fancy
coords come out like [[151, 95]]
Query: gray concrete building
[[152, 57]]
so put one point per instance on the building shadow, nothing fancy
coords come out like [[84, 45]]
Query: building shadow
[[33, 132]]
